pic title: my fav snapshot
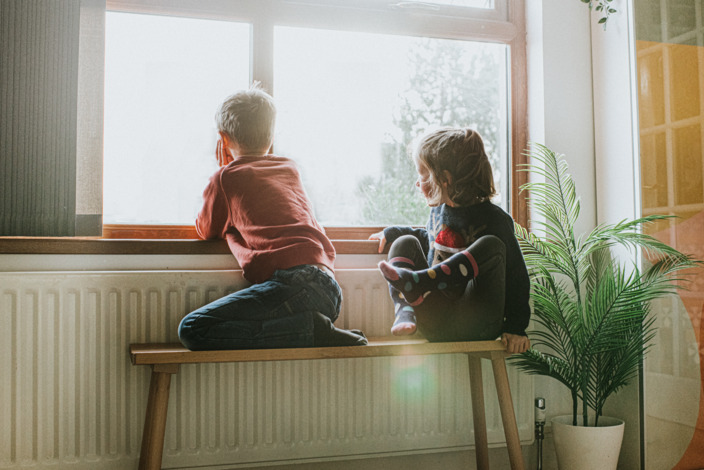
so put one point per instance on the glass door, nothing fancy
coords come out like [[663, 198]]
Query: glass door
[[670, 66]]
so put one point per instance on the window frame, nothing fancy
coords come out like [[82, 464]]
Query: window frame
[[504, 24]]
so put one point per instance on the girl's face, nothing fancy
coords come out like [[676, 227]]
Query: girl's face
[[423, 183]]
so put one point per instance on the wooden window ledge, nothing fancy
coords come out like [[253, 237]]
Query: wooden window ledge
[[166, 240], [105, 246]]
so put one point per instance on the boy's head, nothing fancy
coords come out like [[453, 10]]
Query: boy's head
[[458, 165], [247, 118]]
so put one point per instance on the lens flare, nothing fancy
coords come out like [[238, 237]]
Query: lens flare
[[413, 380]]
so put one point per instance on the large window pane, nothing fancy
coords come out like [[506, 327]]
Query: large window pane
[[164, 79], [351, 103]]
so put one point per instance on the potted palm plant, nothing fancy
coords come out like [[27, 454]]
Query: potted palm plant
[[592, 312]]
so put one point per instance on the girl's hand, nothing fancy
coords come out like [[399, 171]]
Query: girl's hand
[[515, 344], [382, 240], [222, 154]]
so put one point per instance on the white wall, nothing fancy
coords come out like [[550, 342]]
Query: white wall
[[617, 169], [560, 116], [581, 104]]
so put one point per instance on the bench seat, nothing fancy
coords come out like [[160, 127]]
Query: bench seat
[[166, 358]]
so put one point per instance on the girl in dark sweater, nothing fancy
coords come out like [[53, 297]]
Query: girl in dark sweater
[[463, 277]]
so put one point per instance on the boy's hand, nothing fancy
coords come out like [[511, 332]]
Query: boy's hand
[[382, 240], [515, 344], [222, 154]]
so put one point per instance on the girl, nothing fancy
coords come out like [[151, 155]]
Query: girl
[[462, 277]]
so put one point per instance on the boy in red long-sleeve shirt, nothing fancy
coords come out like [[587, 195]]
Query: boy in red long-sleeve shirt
[[256, 202]]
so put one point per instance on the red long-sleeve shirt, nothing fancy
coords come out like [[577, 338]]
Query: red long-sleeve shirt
[[259, 206]]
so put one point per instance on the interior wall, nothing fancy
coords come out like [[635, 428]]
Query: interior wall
[[586, 110], [616, 176], [561, 116]]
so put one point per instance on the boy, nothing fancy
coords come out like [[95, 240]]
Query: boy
[[256, 201]]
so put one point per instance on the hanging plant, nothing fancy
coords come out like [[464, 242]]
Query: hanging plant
[[604, 7]]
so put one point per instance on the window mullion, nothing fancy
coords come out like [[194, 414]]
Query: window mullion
[[262, 53]]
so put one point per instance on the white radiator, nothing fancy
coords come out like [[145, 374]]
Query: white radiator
[[70, 397]]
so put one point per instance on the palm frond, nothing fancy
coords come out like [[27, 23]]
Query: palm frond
[[557, 189], [553, 198], [537, 363], [616, 369], [543, 253], [555, 311], [614, 308]]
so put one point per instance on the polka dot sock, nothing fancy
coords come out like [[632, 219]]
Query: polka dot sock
[[405, 316], [416, 285]]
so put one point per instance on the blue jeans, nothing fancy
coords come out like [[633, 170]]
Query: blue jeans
[[281, 312]]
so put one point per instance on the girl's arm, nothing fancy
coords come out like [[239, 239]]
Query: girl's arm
[[517, 298], [382, 240], [515, 344]]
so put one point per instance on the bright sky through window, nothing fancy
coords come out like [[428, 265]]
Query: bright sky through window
[[349, 104], [164, 79]]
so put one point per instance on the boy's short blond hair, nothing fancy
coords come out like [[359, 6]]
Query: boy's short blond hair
[[248, 118], [459, 152]]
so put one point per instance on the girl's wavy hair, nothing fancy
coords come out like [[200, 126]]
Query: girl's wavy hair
[[459, 152]]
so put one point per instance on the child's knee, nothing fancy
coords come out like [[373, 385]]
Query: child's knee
[[490, 244], [407, 241], [406, 245]]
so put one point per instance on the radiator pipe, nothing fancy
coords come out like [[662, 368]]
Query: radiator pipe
[[540, 428]]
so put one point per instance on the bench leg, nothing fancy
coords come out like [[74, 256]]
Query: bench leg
[[508, 416], [481, 443], [155, 419]]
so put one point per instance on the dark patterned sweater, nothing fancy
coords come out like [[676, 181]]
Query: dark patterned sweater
[[452, 229]]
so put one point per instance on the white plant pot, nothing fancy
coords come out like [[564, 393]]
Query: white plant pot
[[587, 447]]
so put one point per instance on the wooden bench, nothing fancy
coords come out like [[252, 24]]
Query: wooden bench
[[165, 360]]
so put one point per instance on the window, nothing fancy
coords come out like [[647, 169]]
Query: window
[[354, 82], [164, 78], [351, 105]]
